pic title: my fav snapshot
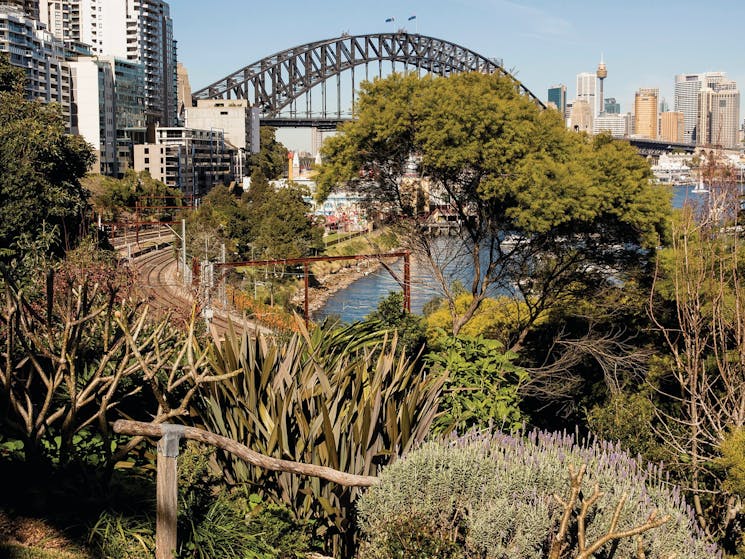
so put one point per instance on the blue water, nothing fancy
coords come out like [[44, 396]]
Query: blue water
[[362, 297]]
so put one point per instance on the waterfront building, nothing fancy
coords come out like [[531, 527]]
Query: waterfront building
[[687, 87], [718, 114], [233, 116], [39, 53], [612, 107], [188, 159], [645, 112], [587, 90], [557, 95], [619, 125], [672, 126]]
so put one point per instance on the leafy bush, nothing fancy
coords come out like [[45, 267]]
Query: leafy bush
[[499, 496], [482, 386]]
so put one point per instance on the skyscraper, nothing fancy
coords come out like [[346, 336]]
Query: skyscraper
[[587, 90], [645, 112], [558, 96], [672, 126], [718, 114], [687, 87], [134, 30]]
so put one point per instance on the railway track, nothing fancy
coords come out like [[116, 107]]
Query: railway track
[[167, 295]]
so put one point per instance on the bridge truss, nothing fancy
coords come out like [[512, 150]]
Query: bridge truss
[[279, 83]]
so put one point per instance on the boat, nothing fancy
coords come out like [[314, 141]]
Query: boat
[[700, 187]]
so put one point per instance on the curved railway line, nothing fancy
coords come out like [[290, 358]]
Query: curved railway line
[[166, 294]]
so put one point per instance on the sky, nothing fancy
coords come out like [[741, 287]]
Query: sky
[[643, 43]]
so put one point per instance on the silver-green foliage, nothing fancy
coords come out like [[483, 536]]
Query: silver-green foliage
[[494, 497]]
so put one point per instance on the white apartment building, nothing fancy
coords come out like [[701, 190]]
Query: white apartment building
[[135, 30], [93, 109], [41, 55]]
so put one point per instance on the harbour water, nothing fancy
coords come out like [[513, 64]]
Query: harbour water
[[362, 297]]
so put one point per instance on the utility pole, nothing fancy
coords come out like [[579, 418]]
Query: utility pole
[[223, 291], [183, 252]]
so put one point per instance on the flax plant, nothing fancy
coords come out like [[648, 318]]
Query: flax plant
[[339, 398]]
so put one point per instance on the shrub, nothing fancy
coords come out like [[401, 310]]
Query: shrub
[[500, 497]]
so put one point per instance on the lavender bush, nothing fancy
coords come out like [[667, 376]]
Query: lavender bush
[[499, 496]]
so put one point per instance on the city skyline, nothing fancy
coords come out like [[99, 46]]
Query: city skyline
[[547, 44]]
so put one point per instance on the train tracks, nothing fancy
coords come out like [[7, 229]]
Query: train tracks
[[167, 295]]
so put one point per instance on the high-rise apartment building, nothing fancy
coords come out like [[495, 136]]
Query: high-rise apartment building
[[558, 96], [92, 112], [646, 102], [587, 90], [687, 87], [188, 159], [672, 126], [41, 55], [134, 30], [29, 8], [718, 114]]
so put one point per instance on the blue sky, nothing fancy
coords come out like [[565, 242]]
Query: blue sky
[[644, 43]]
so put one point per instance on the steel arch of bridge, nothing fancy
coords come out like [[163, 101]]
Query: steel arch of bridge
[[273, 83]]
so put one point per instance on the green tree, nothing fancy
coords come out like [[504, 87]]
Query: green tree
[[40, 169], [272, 156], [572, 204], [285, 229], [391, 314]]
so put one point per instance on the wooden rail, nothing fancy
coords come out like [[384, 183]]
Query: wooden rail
[[167, 479]]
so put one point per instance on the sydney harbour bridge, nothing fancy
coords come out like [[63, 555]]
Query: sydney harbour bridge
[[315, 85]]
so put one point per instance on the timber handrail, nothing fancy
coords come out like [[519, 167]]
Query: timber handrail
[[139, 428]]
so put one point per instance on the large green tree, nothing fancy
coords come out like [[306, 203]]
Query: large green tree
[[40, 170], [573, 205], [272, 156]]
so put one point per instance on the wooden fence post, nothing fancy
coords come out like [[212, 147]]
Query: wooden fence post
[[167, 491]]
